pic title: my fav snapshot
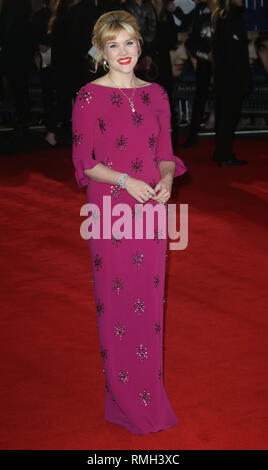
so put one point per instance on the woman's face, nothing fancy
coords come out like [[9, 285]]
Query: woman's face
[[263, 53], [122, 53], [252, 52], [179, 56]]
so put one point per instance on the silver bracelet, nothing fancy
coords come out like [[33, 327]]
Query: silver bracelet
[[122, 180]]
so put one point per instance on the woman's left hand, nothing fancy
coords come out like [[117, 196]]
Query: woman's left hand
[[164, 186]]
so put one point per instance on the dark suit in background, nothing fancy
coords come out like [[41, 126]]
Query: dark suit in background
[[232, 78], [71, 40], [17, 54], [199, 44]]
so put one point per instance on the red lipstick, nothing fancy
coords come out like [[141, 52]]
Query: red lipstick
[[124, 60]]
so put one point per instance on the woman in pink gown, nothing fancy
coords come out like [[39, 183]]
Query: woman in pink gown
[[109, 139]]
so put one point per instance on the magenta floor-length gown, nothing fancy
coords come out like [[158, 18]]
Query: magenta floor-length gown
[[128, 274]]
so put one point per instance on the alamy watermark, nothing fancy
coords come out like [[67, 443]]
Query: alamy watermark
[[122, 227]]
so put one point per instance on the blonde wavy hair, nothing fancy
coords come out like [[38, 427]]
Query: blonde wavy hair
[[106, 29]]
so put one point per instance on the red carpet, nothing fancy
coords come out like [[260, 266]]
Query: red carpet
[[216, 362]]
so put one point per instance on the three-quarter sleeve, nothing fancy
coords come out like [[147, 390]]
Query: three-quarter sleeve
[[83, 129], [164, 148]]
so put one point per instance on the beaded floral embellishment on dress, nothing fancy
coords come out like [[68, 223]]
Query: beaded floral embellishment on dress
[[139, 306], [123, 376], [116, 99], [145, 397], [99, 307], [152, 141], [137, 119], [104, 353], [77, 138], [119, 330], [145, 98], [138, 259], [117, 285], [142, 352], [121, 143], [98, 262], [137, 165], [84, 97], [116, 190], [107, 162]]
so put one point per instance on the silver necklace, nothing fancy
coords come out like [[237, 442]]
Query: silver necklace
[[129, 99]]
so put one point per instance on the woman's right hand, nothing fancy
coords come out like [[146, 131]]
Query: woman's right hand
[[138, 189]]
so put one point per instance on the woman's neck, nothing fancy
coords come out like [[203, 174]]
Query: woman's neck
[[122, 82]]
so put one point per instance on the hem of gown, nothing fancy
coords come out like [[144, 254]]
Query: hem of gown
[[155, 429]]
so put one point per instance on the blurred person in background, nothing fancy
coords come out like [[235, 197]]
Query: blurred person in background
[[183, 11], [17, 56], [262, 49], [165, 40], [199, 45], [70, 27], [260, 72], [145, 14], [42, 46], [183, 72], [252, 51], [180, 58], [232, 76], [256, 48]]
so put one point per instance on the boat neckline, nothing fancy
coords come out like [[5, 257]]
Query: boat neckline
[[117, 88]]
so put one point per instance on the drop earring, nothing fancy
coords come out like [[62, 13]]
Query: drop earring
[[105, 65]]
